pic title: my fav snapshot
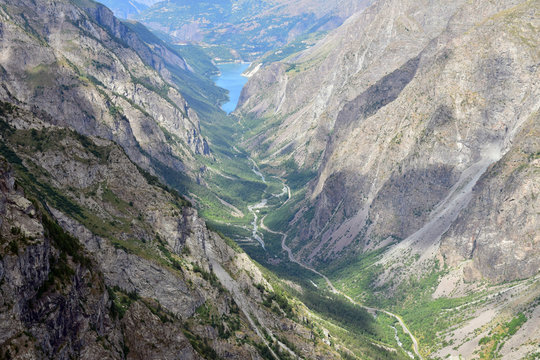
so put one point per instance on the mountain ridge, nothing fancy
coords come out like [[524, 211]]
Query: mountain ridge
[[246, 29], [409, 114], [98, 256], [392, 163]]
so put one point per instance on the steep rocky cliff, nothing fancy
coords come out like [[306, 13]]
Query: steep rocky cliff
[[503, 206], [402, 121], [86, 70], [101, 260]]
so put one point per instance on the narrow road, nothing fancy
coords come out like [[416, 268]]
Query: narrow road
[[284, 246], [336, 291], [253, 210]]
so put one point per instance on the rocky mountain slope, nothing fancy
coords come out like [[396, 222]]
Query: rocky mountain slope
[[247, 28], [131, 272], [419, 145], [99, 259], [420, 120], [85, 69]]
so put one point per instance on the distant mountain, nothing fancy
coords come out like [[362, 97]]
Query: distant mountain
[[248, 28], [415, 129], [349, 93], [128, 9]]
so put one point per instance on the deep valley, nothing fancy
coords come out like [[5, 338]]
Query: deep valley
[[269, 180]]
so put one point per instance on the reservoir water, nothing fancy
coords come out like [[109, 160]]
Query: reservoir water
[[231, 78]]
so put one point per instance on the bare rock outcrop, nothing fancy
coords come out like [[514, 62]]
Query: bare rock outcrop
[[404, 111]]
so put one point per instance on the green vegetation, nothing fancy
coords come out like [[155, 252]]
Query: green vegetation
[[492, 343], [6, 109], [425, 316], [280, 298], [155, 308], [197, 59], [174, 260], [350, 316], [14, 247], [40, 76], [121, 301], [225, 324], [349, 324], [201, 345], [355, 274], [297, 178], [208, 276], [116, 111]]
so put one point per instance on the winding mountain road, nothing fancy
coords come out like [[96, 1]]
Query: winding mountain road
[[336, 291], [284, 246]]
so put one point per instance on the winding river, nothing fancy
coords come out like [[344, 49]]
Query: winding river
[[231, 79], [329, 283]]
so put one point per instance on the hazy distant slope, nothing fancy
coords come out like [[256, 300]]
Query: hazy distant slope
[[127, 9], [249, 27]]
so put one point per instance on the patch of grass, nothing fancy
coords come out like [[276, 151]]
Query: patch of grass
[[109, 196], [208, 276], [120, 301], [155, 308], [201, 345], [492, 343], [173, 259], [40, 76]]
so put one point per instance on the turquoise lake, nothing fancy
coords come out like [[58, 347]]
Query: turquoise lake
[[231, 79]]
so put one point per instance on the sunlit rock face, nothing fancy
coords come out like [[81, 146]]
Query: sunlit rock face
[[410, 113]]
